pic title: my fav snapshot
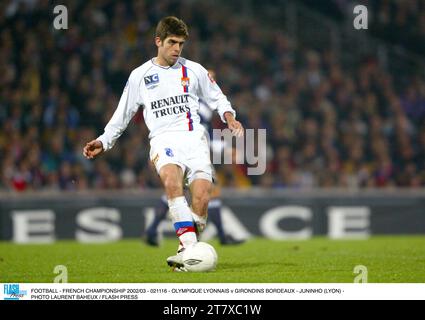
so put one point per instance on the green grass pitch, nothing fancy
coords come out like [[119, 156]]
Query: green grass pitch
[[396, 259]]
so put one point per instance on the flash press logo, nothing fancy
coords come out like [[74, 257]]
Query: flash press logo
[[13, 292]]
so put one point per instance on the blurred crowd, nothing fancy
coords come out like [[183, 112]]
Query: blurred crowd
[[400, 22], [328, 125]]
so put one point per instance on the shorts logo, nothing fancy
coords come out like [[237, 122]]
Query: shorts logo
[[151, 80], [155, 159], [169, 152]]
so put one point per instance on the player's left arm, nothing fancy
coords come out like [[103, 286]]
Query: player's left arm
[[212, 95]]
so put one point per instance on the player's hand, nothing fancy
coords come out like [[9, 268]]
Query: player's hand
[[234, 125], [93, 149], [236, 128]]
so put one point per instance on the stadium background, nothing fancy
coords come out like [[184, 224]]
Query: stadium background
[[344, 111], [341, 109]]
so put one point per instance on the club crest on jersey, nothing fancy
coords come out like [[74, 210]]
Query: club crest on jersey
[[151, 80], [185, 81], [169, 152]]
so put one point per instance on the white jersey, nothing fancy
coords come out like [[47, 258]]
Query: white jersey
[[170, 97], [205, 112]]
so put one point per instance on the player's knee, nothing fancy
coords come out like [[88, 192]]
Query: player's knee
[[202, 198], [173, 187]]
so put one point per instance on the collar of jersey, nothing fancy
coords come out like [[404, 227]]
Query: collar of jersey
[[155, 64]]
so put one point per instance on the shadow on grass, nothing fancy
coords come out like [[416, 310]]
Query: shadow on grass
[[252, 265]]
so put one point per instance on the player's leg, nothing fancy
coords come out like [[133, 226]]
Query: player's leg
[[214, 211], [200, 177], [172, 179], [214, 215], [160, 214], [200, 190]]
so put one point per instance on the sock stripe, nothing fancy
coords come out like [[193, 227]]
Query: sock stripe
[[182, 227], [182, 224], [183, 230]]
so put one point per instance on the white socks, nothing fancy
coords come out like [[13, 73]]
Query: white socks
[[182, 218]]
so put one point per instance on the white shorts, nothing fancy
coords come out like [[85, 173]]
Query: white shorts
[[187, 149]]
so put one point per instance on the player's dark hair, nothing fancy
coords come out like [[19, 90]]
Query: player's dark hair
[[171, 26]]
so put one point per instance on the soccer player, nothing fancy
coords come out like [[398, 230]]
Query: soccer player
[[169, 88], [214, 205]]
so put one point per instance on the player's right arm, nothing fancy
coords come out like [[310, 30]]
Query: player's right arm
[[127, 107]]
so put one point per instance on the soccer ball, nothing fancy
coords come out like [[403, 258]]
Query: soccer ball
[[200, 257]]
